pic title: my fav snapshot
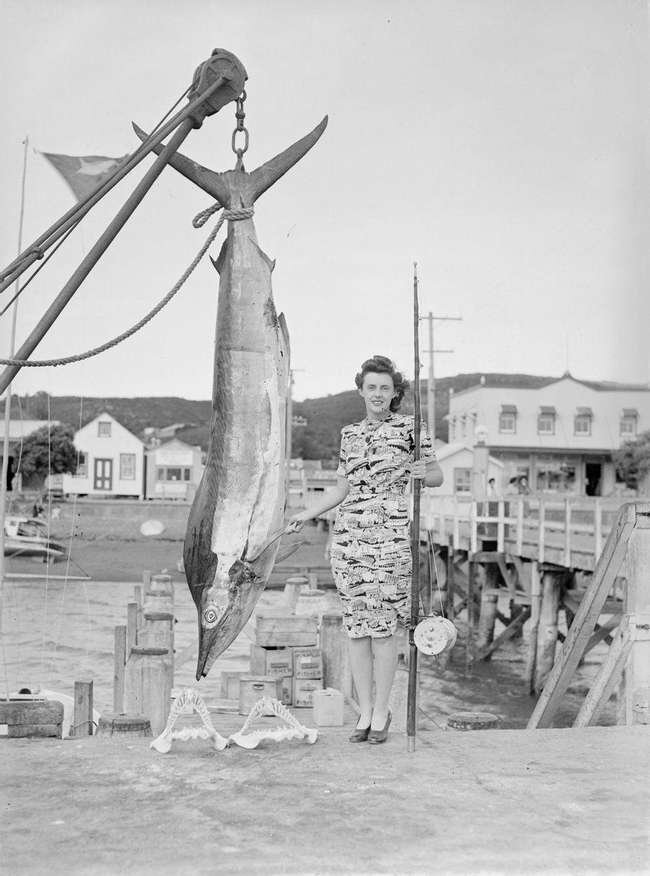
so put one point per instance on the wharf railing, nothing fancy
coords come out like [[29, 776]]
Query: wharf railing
[[568, 531]]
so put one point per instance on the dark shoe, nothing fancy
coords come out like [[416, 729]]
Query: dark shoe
[[360, 735], [377, 736]]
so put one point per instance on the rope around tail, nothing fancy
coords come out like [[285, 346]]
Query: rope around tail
[[199, 220]]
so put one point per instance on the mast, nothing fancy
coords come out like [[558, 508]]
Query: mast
[[7, 417]]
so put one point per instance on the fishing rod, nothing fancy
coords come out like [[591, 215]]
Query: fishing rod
[[411, 703]]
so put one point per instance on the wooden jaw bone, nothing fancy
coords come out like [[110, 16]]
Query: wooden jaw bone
[[293, 730], [190, 701]]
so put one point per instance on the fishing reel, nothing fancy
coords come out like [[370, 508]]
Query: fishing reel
[[220, 65], [434, 636]]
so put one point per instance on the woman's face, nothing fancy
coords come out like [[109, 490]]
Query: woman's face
[[377, 392]]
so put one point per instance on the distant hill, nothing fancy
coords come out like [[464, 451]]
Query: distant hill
[[319, 438], [323, 417]]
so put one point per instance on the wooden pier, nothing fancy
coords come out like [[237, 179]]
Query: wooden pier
[[575, 554]]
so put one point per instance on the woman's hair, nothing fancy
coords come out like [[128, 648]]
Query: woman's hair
[[383, 365]]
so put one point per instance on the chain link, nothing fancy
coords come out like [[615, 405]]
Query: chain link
[[240, 115]]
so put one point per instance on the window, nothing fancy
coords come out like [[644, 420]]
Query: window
[[582, 425], [173, 474], [582, 421], [104, 429], [127, 466], [82, 465], [507, 422], [628, 422], [546, 421], [462, 480]]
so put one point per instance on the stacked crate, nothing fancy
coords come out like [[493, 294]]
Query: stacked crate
[[285, 662]]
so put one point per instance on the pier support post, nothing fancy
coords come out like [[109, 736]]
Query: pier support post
[[148, 688], [82, 721], [535, 606], [548, 625], [487, 618], [334, 649], [119, 662]]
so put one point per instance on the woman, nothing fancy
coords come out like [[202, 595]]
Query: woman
[[371, 545]]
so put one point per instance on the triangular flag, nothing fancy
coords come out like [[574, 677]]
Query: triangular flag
[[84, 173]]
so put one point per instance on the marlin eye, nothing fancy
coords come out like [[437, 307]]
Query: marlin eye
[[211, 615]]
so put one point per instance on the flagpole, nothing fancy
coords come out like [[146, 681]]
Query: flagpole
[[7, 423], [411, 703], [36, 250], [93, 256]]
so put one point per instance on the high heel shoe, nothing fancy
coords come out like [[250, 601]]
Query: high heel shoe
[[377, 736], [359, 735]]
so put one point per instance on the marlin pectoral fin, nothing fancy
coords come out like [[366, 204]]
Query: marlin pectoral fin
[[264, 176], [201, 176]]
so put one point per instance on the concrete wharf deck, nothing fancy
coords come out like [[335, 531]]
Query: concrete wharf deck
[[495, 801]]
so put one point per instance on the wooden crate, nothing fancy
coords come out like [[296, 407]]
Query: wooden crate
[[303, 690], [273, 630], [271, 661], [22, 718], [307, 663], [253, 687], [230, 684]]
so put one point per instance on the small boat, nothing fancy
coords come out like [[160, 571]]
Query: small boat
[[28, 537]]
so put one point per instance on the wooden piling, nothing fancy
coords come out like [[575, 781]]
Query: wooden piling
[[131, 626], [548, 626], [292, 589], [535, 605], [487, 617], [119, 662], [469, 645], [147, 686], [334, 650], [138, 598], [82, 722]]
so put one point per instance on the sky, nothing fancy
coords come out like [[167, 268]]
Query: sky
[[500, 144]]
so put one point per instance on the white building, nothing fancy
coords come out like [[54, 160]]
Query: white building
[[173, 471], [457, 464], [560, 436], [111, 461]]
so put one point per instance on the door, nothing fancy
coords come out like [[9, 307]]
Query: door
[[593, 477], [103, 474]]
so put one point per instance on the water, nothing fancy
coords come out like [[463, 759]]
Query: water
[[55, 633]]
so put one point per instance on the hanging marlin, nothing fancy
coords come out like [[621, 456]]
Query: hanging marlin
[[238, 512]]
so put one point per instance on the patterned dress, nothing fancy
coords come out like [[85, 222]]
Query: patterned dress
[[371, 544]]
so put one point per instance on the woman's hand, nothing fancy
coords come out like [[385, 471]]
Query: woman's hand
[[419, 469], [297, 522]]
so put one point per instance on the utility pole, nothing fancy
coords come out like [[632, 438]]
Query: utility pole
[[431, 390], [289, 425]]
